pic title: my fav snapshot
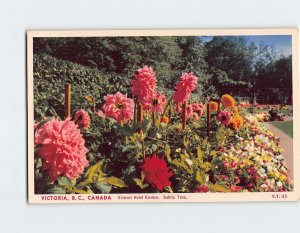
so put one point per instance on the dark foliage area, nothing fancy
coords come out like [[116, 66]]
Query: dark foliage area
[[98, 66]]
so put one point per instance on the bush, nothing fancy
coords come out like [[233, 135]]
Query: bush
[[50, 76]]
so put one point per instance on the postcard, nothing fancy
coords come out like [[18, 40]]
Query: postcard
[[129, 116]]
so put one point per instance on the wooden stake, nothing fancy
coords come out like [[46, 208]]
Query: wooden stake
[[153, 118], [67, 100], [208, 119], [139, 113], [170, 114], [184, 115]]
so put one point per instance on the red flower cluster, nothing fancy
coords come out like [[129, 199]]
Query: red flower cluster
[[156, 172]]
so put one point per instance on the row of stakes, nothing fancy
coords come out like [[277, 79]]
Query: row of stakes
[[139, 110]]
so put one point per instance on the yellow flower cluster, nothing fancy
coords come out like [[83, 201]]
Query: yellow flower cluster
[[236, 122], [164, 119], [228, 101], [213, 106], [89, 99]]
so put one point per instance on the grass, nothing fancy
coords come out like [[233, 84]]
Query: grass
[[285, 126]]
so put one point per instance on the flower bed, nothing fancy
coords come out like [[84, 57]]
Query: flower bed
[[157, 143]]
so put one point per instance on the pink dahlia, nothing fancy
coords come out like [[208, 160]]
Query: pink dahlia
[[61, 148], [195, 116], [144, 84], [82, 119], [224, 117], [184, 88], [119, 107], [156, 172], [156, 103], [198, 108]]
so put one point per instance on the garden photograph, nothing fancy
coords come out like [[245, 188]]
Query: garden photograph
[[162, 114]]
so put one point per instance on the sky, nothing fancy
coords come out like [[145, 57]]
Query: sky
[[282, 44]]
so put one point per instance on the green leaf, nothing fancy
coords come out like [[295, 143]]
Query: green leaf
[[115, 182], [89, 190], [168, 153], [90, 111], [81, 191], [39, 163], [65, 182], [140, 183], [154, 147], [56, 190], [206, 166], [146, 125], [199, 178], [181, 163], [126, 130], [213, 152], [92, 171], [129, 170], [103, 187], [199, 154], [218, 188]]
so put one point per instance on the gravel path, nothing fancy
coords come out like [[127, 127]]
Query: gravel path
[[286, 142]]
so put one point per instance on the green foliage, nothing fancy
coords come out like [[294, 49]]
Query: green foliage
[[50, 76]]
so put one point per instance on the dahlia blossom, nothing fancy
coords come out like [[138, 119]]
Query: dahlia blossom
[[236, 122], [144, 84], [164, 119], [156, 172], [119, 107], [195, 116], [156, 103], [184, 88], [224, 117], [188, 110], [228, 101], [82, 119], [213, 106], [198, 108], [194, 111], [62, 149]]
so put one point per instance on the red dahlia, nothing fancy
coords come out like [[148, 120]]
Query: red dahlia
[[156, 172]]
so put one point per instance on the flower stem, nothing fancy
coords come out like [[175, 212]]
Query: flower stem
[[207, 119], [184, 115], [139, 113]]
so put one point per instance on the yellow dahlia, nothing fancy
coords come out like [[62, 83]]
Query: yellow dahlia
[[164, 119], [236, 122], [213, 106], [228, 101]]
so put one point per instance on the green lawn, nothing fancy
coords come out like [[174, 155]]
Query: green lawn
[[285, 126]]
